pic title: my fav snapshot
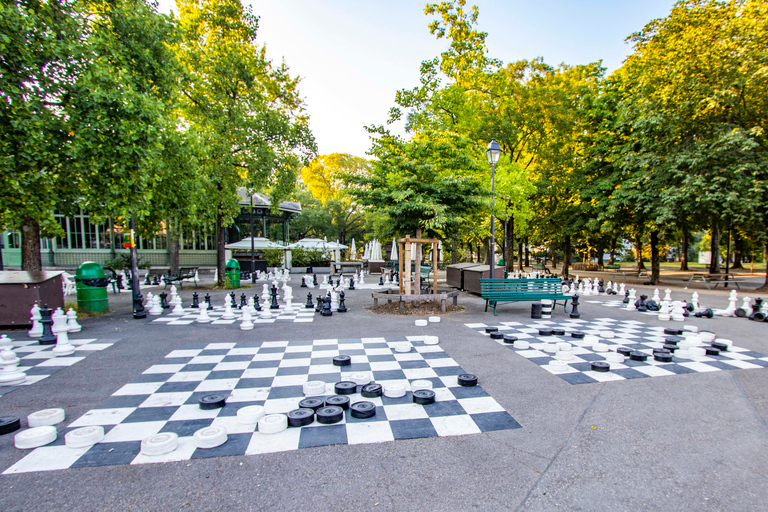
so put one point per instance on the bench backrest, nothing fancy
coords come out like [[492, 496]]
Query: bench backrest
[[520, 286]]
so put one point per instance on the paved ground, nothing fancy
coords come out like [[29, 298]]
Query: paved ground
[[687, 442]]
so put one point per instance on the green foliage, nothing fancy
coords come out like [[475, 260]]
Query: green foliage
[[299, 257], [274, 257], [317, 257], [120, 262]]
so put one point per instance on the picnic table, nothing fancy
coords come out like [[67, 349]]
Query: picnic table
[[707, 278], [634, 274]]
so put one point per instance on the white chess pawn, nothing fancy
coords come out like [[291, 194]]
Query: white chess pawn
[[72, 325], [178, 309], [247, 324], [615, 289], [5, 342], [678, 310], [11, 375], [37, 327], [251, 306], [228, 314], [63, 346], [745, 304], [656, 297], [581, 289], [664, 311], [622, 289], [156, 309], [149, 299], [334, 301], [572, 289], [609, 286], [203, 317], [668, 295]]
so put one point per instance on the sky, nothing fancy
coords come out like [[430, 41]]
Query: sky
[[353, 55]]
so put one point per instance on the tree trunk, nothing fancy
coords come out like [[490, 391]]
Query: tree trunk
[[220, 254], [454, 256], [600, 255], [527, 253], [174, 245], [31, 259], [520, 258], [684, 250], [479, 246], [639, 251], [655, 264], [567, 255], [554, 257], [765, 260], [738, 249], [509, 256], [612, 259], [714, 264], [488, 250], [471, 253]]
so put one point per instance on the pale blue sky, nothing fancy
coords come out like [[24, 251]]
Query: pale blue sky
[[353, 55]]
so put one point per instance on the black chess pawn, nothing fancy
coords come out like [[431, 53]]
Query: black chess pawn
[[626, 297], [600, 286], [138, 307], [314, 279], [326, 307], [274, 304], [304, 282], [319, 307], [342, 307], [309, 304], [147, 282], [164, 301], [195, 301], [256, 304], [155, 280], [575, 307], [48, 338], [352, 283], [381, 280], [243, 301]]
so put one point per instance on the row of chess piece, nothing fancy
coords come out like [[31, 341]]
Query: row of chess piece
[[589, 286], [678, 310]]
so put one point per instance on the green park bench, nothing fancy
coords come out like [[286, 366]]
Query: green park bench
[[542, 267], [612, 267], [183, 273], [521, 290]]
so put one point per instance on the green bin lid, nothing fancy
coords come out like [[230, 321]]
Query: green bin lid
[[90, 270], [232, 263]]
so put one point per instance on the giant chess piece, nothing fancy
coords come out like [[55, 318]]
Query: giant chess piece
[[314, 280], [757, 313], [48, 338], [243, 301], [319, 308], [247, 324], [203, 317], [178, 308], [63, 346], [37, 327], [147, 282], [138, 307], [326, 307], [156, 309], [228, 314], [233, 303], [274, 304], [678, 309], [656, 297], [352, 282], [664, 310], [155, 280], [72, 325], [195, 301], [742, 311], [207, 300], [164, 301], [11, 375], [304, 282], [342, 308], [575, 307], [600, 287], [381, 281], [309, 304], [626, 297], [641, 305], [256, 305]]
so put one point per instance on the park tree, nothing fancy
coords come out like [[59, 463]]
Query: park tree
[[245, 111]]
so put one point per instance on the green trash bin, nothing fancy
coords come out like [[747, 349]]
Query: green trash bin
[[232, 271], [91, 284]]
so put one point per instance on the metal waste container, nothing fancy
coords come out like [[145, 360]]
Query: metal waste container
[[454, 274], [91, 284], [232, 272], [472, 276]]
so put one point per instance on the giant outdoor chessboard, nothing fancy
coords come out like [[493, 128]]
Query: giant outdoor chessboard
[[615, 336], [299, 314], [165, 398]]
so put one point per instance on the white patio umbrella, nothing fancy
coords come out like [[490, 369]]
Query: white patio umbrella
[[440, 250], [393, 254], [352, 251], [259, 243]]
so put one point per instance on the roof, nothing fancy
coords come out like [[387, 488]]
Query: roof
[[263, 201]]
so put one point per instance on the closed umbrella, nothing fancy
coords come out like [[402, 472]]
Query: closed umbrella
[[393, 255], [352, 254]]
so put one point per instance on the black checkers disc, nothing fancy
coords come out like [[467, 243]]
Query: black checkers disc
[[577, 334], [496, 335], [673, 340], [212, 402], [363, 410], [720, 346], [661, 351], [300, 417], [345, 387], [636, 355], [338, 401], [491, 329], [508, 338], [9, 424], [558, 332], [329, 414], [712, 351], [600, 366], [624, 351], [342, 361], [371, 390], [663, 357], [467, 380], [424, 397], [312, 403], [673, 332], [671, 348], [545, 332]]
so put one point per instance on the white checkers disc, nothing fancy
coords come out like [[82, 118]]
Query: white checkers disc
[[431, 340], [45, 417], [600, 347], [564, 355], [250, 414], [521, 344], [273, 423], [85, 436], [697, 351], [564, 346], [360, 378], [434, 319], [314, 388], [394, 390], [34, 437], [550, 348], [421, 323], [614, 357], [421, 384], [160, 444], [210, 437]]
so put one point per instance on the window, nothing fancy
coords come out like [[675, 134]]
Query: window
[[76, 232]]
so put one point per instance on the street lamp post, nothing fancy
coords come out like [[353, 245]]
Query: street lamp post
[[493, 153]]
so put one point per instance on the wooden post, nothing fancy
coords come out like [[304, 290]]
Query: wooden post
[[434, 270], [407, 252], [417, 266], [400, 265]]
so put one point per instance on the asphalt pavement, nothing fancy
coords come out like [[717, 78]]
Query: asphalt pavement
[[686, 442]]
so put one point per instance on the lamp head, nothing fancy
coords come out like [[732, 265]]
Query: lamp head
[[493, 152]]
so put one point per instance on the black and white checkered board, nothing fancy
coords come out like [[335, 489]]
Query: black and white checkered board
[[165, 399], [620, 304], [628, 333], [38, 361], [300, 314]]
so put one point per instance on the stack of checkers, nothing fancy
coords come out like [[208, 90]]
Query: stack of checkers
[[546, 309]]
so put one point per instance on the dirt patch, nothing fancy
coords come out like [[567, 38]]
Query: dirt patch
[[425, 308]]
